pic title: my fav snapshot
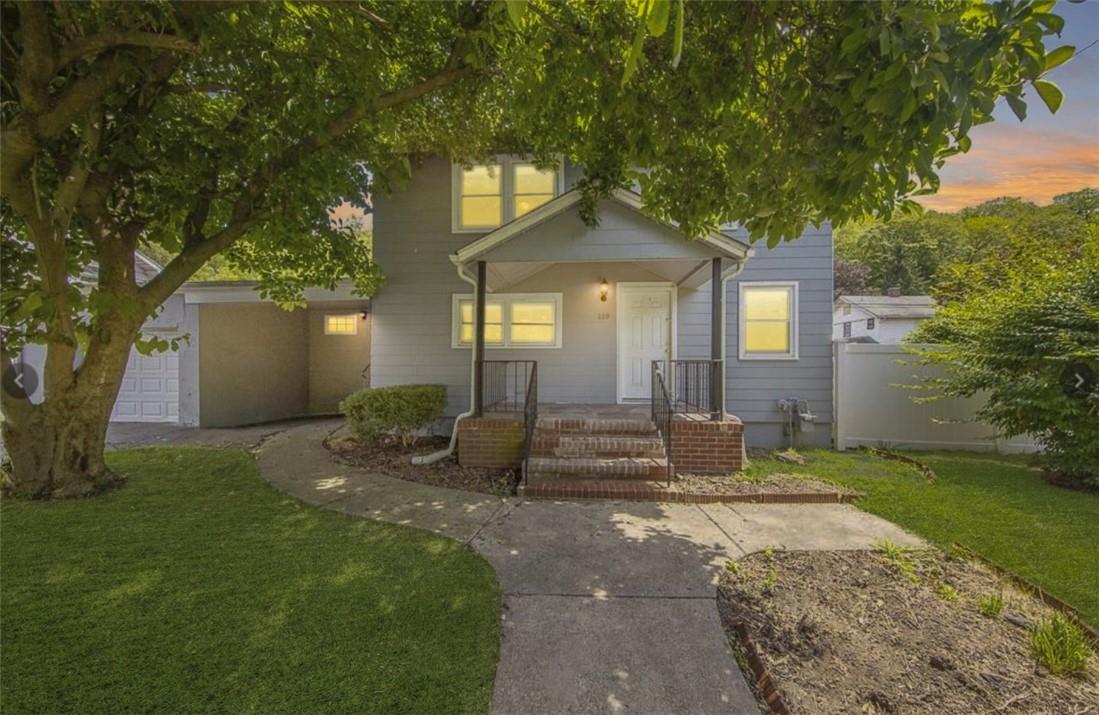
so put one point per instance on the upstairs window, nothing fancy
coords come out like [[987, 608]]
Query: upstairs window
[[869, 323], [487, 196], [847, 330], [768, 321]]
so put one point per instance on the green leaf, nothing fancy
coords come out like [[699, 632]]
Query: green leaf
[[1017, 105], [517, 9], [964, 143], [1058, 57], [1050, 93], [657, 18], [634, 56], [677, 42]]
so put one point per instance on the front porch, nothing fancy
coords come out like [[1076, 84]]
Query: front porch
[[627, 321]]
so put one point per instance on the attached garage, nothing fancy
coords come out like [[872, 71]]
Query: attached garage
[[150, 389]]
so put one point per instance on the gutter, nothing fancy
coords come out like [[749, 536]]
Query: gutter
[[423, 459]]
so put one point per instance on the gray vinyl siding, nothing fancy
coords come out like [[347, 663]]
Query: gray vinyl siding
[[411, 313], [754, 387]]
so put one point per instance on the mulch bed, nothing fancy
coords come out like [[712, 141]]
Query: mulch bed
[[777, 483], [389, 457], [847, 632]]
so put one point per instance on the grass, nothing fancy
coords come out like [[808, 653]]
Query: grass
[[994, 505], [198, 588]]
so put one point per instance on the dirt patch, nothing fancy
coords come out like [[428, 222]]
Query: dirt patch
[[777, 483], [852, 632], [391, 458]]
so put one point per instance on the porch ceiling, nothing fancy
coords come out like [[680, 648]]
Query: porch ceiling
[[503, 275]]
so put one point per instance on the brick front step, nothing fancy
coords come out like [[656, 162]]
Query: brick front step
[[573, 445], [595, 426], [614, 468], [627, 490]]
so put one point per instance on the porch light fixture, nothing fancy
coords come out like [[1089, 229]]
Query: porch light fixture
[[603, 289]]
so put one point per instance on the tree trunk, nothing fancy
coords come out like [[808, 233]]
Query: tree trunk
[[57, 447], [57, 452]]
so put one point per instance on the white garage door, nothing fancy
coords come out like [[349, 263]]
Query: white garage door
[[150, 389]]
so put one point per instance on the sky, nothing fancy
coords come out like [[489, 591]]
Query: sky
[[1047, 154]]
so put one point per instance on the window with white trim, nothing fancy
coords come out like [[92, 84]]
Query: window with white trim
[[484, 197], [847, 329], [768, 321], [515, 320], [869, 323], [341, 324]]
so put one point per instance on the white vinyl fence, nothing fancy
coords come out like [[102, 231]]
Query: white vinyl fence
[[873, 409]]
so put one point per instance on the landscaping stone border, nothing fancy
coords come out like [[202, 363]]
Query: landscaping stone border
[[764, 683], [1036, 591], [631, 490]]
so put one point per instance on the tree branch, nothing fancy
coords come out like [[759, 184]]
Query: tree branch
[[245, 214], [33, 72], [96, 44]]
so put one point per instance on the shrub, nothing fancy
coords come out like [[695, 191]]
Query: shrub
[[1060, 645], [947, 592], [1020, 344], [401, 409], [991, 605]]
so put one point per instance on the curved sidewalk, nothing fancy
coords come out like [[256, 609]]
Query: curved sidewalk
[[608, 606]]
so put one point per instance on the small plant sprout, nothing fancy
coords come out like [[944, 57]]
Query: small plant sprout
[[769, 552], [900, 559], [947, 592], [1060, 645], [771, 581], [992, 605], [733, 567]]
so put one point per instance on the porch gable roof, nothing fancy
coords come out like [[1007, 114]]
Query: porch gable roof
[[718, 244]]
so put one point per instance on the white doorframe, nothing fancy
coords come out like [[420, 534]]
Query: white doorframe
[[625, 286]]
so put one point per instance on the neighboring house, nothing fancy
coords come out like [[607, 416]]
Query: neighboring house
[[885, 319], [241, 359], [593, 307]]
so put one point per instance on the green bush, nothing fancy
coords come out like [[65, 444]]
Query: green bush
[[401, 409], [1060, 645], [1020, 344]]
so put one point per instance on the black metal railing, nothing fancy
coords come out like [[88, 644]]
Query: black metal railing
[[530, 416], [694, 386], [505, 384], [663, 412]]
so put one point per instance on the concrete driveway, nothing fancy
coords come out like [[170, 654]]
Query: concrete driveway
[[608, 606]]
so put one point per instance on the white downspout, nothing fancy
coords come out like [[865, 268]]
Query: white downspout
[[449, 450]]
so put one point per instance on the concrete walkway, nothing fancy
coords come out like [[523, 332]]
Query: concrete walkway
[[608, 606]]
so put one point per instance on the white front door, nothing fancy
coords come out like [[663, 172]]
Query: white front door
[[644, 335]]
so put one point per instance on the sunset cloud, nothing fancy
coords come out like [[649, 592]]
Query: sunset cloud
[[1014, 161]]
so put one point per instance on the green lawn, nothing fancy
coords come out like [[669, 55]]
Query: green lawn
[[994, 505], [199, 588]]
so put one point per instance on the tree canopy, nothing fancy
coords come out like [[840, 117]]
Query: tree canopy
[[224, 128]]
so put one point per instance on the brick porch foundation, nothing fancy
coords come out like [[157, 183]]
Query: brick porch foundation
[[701, 446], [490, 442]]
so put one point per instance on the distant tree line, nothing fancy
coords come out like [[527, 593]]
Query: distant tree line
[[948, 254]]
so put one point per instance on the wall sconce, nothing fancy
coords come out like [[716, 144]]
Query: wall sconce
[[603, 289]]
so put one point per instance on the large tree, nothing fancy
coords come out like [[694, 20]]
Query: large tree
[[209, 128]]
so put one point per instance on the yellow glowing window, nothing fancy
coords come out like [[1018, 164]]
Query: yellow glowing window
[[518, 320], [341, 324], [488, 196], [533, 323], [481, 197], [494, 322], [532, 188], [768, 320]]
